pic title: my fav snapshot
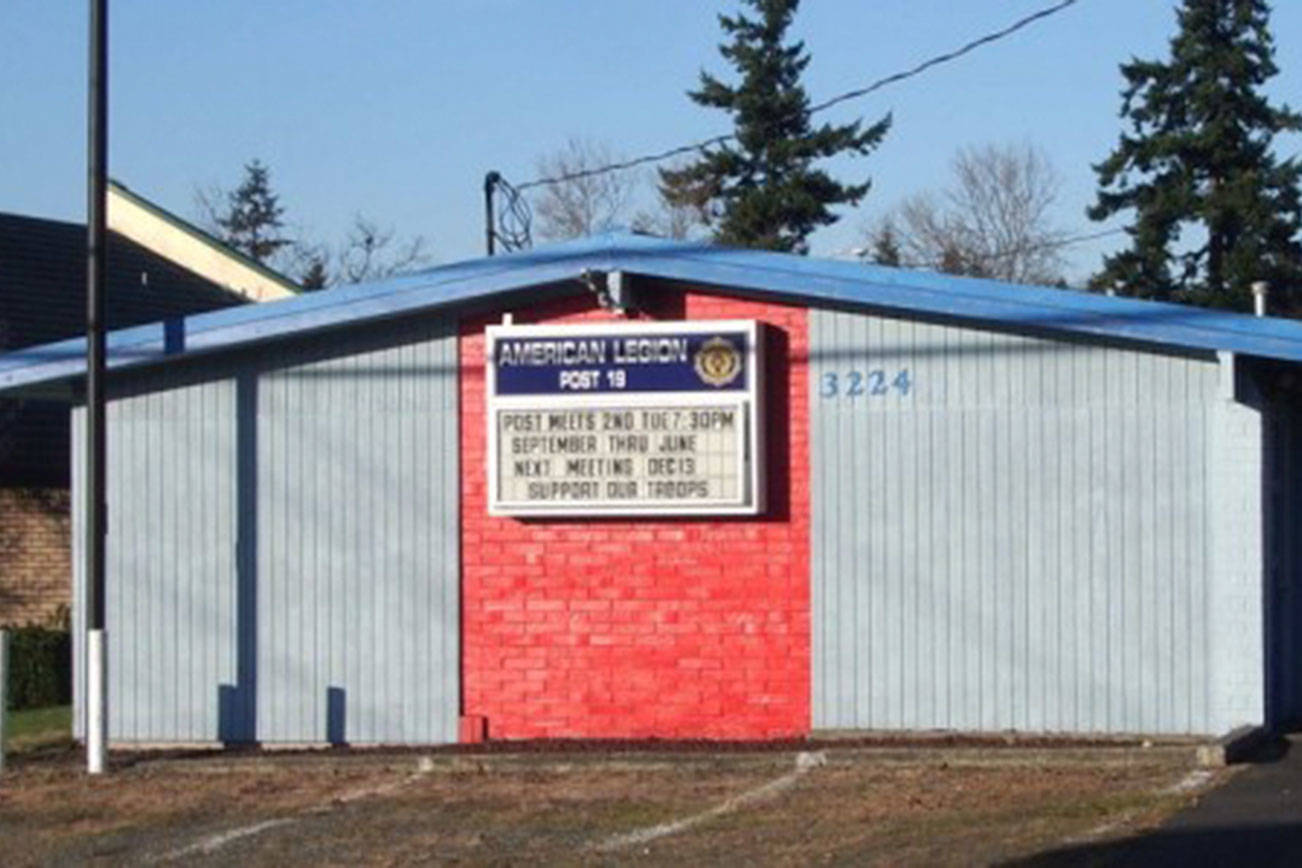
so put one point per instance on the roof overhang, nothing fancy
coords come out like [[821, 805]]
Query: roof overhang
[[780, 276]]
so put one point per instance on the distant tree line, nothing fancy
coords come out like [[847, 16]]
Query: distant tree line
[[1211, 207], [250, 219]]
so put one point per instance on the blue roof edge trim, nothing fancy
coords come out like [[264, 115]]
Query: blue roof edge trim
[[792, 277]]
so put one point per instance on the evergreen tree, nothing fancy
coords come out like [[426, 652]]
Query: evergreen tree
[[956, 260], [1197, 156], [315, 276], [251, 220], [764, 191], [886, 247]]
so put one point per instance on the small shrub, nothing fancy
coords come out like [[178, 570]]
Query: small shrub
[[40, 667]]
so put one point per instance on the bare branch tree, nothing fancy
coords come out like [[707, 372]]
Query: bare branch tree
[[370, 252], [682, 209], [244, 217], [582, 206], [992, 221], [209, 208]]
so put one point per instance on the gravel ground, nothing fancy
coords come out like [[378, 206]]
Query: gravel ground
[[939, 804]]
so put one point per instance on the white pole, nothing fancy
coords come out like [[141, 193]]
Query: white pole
[[4, 693], [96, 704]]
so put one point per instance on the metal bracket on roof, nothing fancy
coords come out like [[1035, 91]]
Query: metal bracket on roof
[[1229, 364], [612, 289]]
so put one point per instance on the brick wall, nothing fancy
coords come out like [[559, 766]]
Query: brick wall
[[34, 555], [616, 628]]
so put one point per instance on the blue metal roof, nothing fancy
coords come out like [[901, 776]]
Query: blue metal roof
[[790, 277]]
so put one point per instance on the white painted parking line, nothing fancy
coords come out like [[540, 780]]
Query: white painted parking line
[[804, 762], [1190, 782], [212, 843]]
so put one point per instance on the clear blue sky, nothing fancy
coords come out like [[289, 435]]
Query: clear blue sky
[[397, 108]]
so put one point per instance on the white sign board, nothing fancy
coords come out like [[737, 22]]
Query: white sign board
[[625, 419]]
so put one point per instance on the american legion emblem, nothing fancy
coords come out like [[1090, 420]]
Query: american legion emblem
[[717, 362]]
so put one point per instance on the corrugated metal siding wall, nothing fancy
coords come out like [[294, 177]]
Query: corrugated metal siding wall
[[1008, 533], [170, 562], [284, 548]]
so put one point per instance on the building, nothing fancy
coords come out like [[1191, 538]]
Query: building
[[158, 267], [724, 494], [163, 233]]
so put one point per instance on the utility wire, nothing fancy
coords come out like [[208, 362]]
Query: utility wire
[[1050, 244], [1055, 243], [865, 255], [836, 100], [947, 57]]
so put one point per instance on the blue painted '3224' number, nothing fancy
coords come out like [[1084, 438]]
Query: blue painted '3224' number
[[855, 384]]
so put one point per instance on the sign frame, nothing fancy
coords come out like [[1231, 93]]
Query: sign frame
[[748, 401]]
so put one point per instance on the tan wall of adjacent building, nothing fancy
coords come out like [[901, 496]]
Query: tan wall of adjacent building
[[128, 218], [35, 555]]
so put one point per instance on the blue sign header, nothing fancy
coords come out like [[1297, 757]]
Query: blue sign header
[[629, 362]]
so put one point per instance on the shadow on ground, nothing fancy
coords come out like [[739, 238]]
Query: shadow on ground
[[1233, 845], [1254, 819]]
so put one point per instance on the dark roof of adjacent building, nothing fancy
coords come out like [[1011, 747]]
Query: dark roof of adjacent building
[[43, 283], [1038, 310], [43, 299]]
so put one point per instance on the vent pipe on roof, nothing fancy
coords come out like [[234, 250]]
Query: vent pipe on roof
[[1260, 289], [611, 288]]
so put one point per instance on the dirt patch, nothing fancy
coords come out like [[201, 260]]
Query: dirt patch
[[944, 806], [941, 813], [51, 811]]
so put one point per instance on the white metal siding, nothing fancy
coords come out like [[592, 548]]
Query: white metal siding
[[283, 545], [1019, 542], [170, 561], [358, 550]]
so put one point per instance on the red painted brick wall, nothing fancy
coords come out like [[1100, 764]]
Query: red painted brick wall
[[681, 628]]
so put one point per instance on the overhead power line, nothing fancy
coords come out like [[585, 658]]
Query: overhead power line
[[880, 83], [945, 58], [1092, 236], [1068, 241], [1049, 244]]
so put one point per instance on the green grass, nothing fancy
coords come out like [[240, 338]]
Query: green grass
[[38, 727]]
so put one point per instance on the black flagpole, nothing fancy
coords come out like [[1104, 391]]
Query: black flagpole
[[95, 515]]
